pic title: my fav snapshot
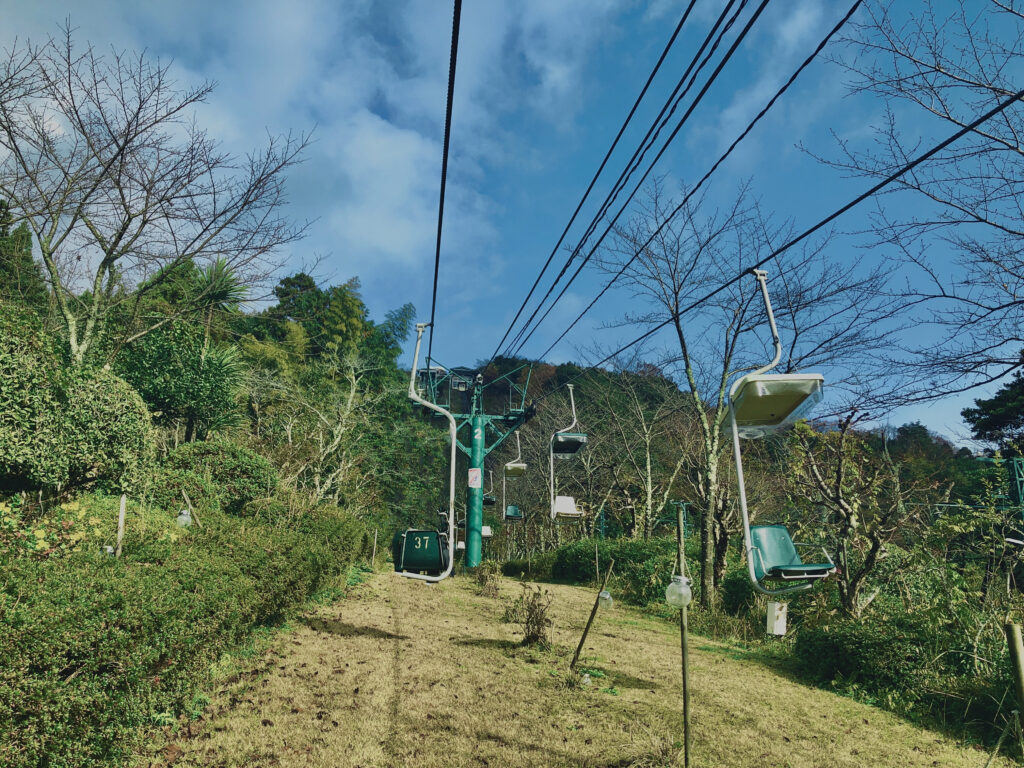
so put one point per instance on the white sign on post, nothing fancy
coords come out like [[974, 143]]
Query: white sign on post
[[476, 478], [777, 618]]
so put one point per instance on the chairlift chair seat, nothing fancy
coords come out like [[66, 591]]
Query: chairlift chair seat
[[489, 500], [565, 510], [765, 402], [512, 512], [775, 556], [566, 444]]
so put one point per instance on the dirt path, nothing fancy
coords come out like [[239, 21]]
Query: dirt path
[[405, 674]]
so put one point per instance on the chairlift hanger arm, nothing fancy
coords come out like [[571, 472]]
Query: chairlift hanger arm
[[452, 430]]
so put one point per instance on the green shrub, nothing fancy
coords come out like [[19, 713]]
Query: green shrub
[[737, 593], [239, 474], [32, 437], [879, 655], [109, 434], [94, 649], [166, 485], [80, 429], [537, 567]]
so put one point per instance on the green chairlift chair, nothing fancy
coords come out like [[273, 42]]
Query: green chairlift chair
[[514, 468], [760, 403], [489, 499], [428, 555], [564, 443]]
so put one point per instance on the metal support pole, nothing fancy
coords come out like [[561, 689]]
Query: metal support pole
[[683, 634], [475, 496], [1016, 647]]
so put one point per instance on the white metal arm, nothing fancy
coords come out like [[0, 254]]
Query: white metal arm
[[762, 279], [452, 430]]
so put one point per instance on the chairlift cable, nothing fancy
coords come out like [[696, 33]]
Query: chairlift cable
[[604, 162], [699, 184], [633, 163], [714, 75], [903, 170], [456, 18], [714, 37]]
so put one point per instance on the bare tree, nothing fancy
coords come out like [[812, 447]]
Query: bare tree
[[865, 499], [101, 156], [957, 221], [643, 408], [829, 312]]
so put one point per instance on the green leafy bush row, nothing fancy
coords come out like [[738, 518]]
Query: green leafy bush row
[[94, 649]]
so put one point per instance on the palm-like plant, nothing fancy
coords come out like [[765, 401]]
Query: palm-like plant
[[219, 289]]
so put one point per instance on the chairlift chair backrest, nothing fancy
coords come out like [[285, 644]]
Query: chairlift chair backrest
[[565, 510]]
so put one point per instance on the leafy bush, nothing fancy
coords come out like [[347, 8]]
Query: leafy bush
[[32, 435], [738, 594], [642, 568], [93, 648], [239, 474], [487, 579], [180, 377], [109, 434], [530, 611], [876, 654], [166, 485], [538, 567], [83, 429]]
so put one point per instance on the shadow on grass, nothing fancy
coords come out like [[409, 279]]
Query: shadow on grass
[[341, 629], [489, 642], [613, 678]]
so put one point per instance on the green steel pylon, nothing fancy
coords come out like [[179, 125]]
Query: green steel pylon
[[437, 385]]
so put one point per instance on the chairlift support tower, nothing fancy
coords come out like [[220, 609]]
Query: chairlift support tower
[[487, 431]]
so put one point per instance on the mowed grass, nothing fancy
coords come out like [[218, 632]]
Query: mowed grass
[[401, 673]]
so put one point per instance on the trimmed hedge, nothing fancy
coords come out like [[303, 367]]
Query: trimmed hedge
[[64, 426], [240, 474], [642, 568], [166, 486], [94, 649]]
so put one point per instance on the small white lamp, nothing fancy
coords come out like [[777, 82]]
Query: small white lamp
[[678, 594]]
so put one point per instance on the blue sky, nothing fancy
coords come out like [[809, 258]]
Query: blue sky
[[542, 87]]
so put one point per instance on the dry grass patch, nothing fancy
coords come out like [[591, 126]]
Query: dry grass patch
[[402, 673]]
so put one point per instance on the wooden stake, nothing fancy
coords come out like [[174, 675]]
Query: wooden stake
[[684, 637], [373, 557], [191, 510], [593, 613], [120, 524]]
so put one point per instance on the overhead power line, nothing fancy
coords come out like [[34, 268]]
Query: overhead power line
[[604, 162], [714, 38], [689, 195], [682, 121], [902, 171], [456, 18]]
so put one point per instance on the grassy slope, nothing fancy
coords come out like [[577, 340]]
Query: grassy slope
[[406, 674]]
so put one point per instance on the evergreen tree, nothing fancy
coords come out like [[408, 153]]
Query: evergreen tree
[[21, 280]]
